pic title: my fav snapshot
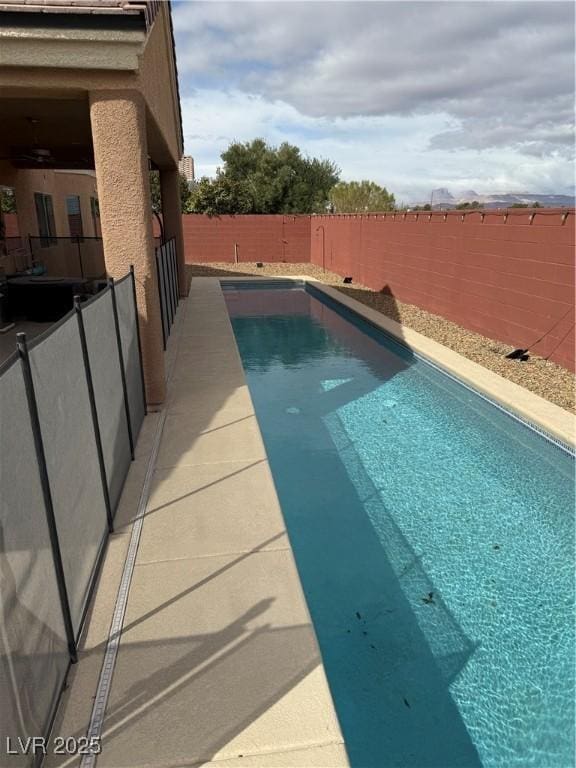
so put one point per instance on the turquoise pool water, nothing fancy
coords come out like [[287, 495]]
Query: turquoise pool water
[[434, 536]]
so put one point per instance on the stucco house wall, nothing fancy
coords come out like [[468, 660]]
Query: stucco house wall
[[62, 257], [58, 184]]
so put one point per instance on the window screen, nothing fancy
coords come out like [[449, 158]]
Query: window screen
[[74, 216]]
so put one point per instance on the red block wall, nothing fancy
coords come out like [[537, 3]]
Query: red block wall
[[507, 276], [11, 224], [259, 238]]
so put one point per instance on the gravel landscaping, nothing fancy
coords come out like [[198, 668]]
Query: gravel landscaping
[[536, 374]]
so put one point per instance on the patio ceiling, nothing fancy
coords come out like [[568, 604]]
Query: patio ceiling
[[47, 132], [41, 131]]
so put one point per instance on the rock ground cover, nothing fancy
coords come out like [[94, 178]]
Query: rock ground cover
[[541, 376]]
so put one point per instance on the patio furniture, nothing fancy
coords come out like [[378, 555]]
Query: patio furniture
[[42, 299]]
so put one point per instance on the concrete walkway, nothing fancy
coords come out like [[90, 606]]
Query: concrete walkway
[[218, 661]]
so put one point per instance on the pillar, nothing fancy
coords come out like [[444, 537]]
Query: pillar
[[172, 219], [118, 121]]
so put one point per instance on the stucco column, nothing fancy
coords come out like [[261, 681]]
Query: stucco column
[[172, 218], [121, 160]]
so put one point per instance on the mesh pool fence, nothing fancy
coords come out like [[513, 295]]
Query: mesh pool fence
[[65, 449]]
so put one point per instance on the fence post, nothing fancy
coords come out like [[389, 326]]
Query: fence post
[[80, 256], [22, 347], [122, 371], [161, 298], [167, 299], [166, 272], [137, 322], [175, 271], [168, 258], [94, 412], [31, 262], [173, 278]]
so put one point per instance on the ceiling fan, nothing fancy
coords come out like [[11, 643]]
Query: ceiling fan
[[31, 154]]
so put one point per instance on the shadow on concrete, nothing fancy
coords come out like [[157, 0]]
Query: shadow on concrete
[[205, 487], [142, 619], [206, 688]]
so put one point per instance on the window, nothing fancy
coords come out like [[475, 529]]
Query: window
[[95, 210], [45, 216], [74, 216]]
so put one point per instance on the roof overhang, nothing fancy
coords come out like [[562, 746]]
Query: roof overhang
[[71, 48]]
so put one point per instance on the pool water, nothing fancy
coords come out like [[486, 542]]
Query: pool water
[[434, 537]]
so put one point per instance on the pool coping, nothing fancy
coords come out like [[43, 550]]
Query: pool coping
[[528, 406]]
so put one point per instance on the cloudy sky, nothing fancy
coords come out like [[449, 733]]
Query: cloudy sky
[[414, 95]]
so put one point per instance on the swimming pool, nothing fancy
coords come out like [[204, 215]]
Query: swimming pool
[[434, 537]]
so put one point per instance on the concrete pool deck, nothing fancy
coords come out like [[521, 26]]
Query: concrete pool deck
[[218, 660]]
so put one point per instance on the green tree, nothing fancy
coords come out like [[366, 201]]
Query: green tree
[[156, 195], [7, 200], [219, 196], [7, 205], [360, 196], [258, 178]]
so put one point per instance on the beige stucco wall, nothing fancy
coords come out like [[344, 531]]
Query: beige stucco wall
[[61, 259], [158, 84], [77, 48], [59, 184]]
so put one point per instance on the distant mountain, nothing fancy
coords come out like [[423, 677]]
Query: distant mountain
[[548, 201], [443, 198], [468, 196]]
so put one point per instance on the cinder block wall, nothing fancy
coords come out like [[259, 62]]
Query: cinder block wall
[[259, 238], [508, 276]]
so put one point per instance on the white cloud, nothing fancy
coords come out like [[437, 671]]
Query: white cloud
[[394, 151], [411, 94]]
